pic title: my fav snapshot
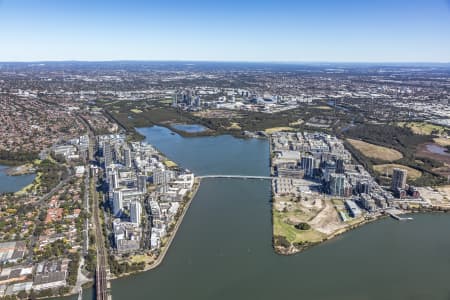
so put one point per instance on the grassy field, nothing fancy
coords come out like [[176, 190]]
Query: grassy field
[[234, 126], [276, 129], [322, 107], [292, 234], [413, 174], [170, 164], [166, 101], [423, 128], [141, 258], [375, 151], [297, 123]]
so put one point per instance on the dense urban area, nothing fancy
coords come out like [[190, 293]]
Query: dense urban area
[[349, 143]]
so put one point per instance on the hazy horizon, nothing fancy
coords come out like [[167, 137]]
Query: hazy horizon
[[414, 31], [227, 61]]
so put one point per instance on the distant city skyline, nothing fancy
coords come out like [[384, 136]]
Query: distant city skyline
[[201, 30]]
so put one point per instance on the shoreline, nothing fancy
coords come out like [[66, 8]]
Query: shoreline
[[293, 250], [19, 170], [174, 232], [240, 134], [12, 163], [159, 260]]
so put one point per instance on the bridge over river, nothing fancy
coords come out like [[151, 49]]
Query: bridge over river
[[299, 182], [237, 177]]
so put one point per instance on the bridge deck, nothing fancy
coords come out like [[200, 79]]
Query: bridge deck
[[237, 176]]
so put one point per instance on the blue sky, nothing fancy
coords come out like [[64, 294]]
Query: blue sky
[[232, 30]]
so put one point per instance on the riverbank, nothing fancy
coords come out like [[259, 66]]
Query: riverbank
[[10, 163], [170, 236], [21, 170], [174, 231], [206, 133], [294, 249]]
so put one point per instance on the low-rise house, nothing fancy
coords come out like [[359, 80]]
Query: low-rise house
[[54, 214], [44, 240]]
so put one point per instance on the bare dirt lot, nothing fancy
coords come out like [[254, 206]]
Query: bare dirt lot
[[437, 196], [319, 212]]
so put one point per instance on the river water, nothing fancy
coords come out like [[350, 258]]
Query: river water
[[11, 184], [223, 248]]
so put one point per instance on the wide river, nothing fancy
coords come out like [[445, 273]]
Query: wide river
[[223, 249]]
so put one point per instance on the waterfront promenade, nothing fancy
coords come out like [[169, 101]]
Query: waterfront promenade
[[164, 250]]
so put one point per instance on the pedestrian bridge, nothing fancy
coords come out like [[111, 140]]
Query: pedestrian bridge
[[301, 182], [237, 177]]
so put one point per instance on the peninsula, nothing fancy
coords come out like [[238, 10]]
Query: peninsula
[[320, 191]]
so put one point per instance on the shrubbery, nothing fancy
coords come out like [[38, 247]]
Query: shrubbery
[[303, 226]]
